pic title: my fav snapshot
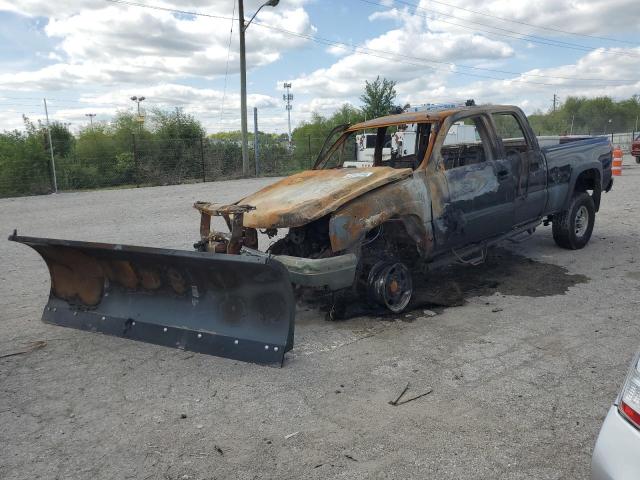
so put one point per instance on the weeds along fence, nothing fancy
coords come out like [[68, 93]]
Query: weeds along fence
[[142, 160], [146, 160]]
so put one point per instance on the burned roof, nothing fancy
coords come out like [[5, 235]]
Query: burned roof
[[425, 116]]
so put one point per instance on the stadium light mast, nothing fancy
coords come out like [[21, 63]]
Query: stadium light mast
[[243, 81], [140, 120], [90, 115], [288, 97]]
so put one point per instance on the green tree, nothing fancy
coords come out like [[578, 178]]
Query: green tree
[[61, 138], [378, 98], [581, 115], [25, 166]]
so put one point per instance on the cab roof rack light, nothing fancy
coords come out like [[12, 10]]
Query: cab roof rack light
[[434, 107]]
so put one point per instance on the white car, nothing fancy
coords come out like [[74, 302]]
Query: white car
[[616, 455]]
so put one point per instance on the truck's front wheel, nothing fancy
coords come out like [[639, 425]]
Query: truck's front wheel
[[390, 285], [572, 228]]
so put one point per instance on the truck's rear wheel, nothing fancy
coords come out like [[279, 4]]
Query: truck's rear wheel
[[572, 228]]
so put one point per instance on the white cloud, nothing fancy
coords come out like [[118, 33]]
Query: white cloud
[[105, 52], [533, 89], [391, 14], [600, 17], [400, 54], [423, 36], [119, 44], [205, 104]]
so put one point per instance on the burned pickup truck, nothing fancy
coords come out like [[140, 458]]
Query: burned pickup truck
[[364, 230]]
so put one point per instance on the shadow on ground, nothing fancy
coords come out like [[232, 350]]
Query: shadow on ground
[[502, 272]]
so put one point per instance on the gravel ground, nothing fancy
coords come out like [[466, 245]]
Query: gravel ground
[[521, 375]]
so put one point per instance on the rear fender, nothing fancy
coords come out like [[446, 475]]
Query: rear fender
[[594, 168], [407, 200]]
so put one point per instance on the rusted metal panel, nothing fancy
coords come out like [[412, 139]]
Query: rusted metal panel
[[307, 196], [406, 198], [402, 118], [429, 116], [233, 306]]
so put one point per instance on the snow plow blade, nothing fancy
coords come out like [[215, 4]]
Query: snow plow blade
[[232, 306]]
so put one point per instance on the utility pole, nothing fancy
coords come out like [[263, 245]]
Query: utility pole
[[243, 92], [555, 100], [256, 144], [90, 115], [288, 97], [243, 80], [53, 162], [573, 117]]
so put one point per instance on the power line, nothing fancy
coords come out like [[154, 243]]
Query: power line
[[359, 49], [393, 54], [172, 10], [540, 27], [520, 36], [510, 33], [226, 68]]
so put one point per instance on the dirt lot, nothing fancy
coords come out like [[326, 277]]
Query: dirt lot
[[521, 375]]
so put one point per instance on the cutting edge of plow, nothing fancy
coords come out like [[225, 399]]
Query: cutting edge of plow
[[57, 312]]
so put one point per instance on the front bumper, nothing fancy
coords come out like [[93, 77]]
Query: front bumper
[[333, 273], [615, 456]]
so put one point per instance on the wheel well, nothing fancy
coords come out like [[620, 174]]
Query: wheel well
[[405, 235], [589, 182]]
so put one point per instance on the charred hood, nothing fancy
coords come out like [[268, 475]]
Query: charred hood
[[306, 196]]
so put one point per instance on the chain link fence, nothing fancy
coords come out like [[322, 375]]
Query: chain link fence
[[143, 160]]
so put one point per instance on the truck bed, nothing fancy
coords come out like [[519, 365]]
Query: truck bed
[[564, 161]]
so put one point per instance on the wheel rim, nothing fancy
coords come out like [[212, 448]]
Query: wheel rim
[[391, 286], [582, 221]]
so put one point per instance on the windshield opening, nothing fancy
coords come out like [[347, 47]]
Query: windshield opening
[[396, 146]]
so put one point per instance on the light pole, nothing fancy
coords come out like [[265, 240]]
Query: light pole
[[90, 115], [243, 81], [138, 100], [287, 97]]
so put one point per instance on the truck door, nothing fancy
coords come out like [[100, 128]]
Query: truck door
[[480, 186], [520, 148]]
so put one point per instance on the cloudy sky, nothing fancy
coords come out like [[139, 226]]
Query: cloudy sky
[[91, 56]]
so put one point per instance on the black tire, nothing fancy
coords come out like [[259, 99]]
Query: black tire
[[637, 159], [569, 231]]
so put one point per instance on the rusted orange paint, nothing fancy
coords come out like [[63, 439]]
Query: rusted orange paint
[[400, 200], [307, 196], [403, 118], [357, 199], [150, 279], [75, 276], [121, 272], [177, 281]]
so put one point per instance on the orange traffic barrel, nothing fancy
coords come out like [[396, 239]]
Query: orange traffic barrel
[[616, 165]]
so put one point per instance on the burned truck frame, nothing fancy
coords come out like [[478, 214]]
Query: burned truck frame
[[429, 206], [361, 230]]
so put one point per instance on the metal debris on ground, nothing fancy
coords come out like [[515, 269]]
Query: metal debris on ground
[[287, 437], [397, 402], [37, 345]]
